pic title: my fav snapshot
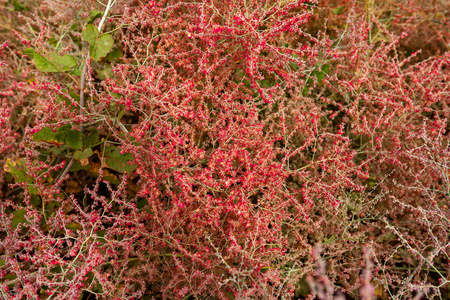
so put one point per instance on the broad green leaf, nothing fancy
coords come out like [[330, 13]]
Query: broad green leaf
[[63, 132], [64, 63], [54, 62], [76, 71], [42, 64], [74, 139], [90, 34], [98, 288], [18, 170], [64, 135], [58, 150], [230, 295], [9, 177], [266, 83], [91, 139], [294, 66], [115, 54], [320, 76], [67, 102], [94, 15], [20, 173], [35, 200], [102, 47], [338, 10], [45, 134], [105, 71], [18, 6], [56, 269], [19, 217], [79, 155], [78, 167], [53, 42], [29, 52], [75, 27], [2, 262], [117, 161]]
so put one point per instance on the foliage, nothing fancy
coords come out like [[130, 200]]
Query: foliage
[[227, 149]]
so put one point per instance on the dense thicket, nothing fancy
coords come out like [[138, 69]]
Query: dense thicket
[[224, 149]]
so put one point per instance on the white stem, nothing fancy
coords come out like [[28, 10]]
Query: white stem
[[105, 14]]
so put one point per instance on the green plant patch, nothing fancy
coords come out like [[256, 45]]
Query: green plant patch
[[117, 161], [19, 218], [52, 63], [63, 135], [99, 45], [20, 173]]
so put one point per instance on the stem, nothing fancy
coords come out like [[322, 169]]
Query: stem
[[83, 82]]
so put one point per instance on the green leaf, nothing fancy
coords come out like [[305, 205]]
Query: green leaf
[[141, 203], [2, 262], [18, 6], [98, 288], [115, 54], [42, 64], [29, 52], [92, 139], [320, 75], [64, 63], [94, 15], [102, 47], [117, 161], [74, 27], [78, 167], [35, 200], [101, 236], [74, 139], [54, 63], [19, 217], [45, 134], [64, 135], [294, 66], [76, 71], [62, 132], [18, 170], [20, 173], [305, 91], [53, 42], [82, 155], [338, 10], [105, 71], [56, 269], [58, 150], [90, 34]]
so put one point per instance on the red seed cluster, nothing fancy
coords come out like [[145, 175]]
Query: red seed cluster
[[242, 149]]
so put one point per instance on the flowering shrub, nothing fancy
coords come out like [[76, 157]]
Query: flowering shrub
[[224, 149]]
